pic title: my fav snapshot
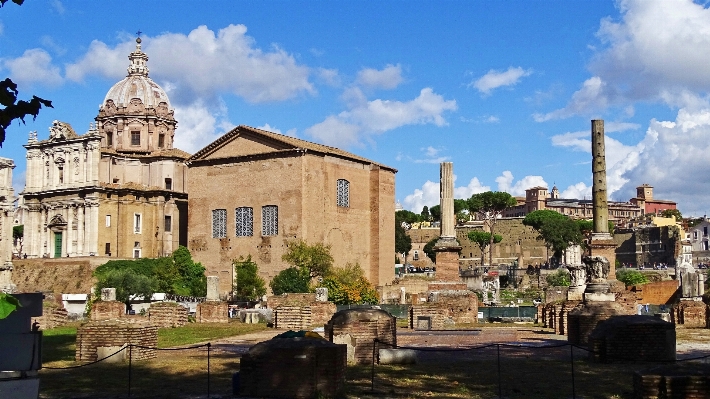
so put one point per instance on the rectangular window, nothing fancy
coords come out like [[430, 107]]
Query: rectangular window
[[109, 139], [61, 175], [244, 218], [137, 223], [270, 220], [219, 223], [168, 183], [108, 220], [135, 138], [107, 249], [161, 140], [168, 223], [136, 253], [343, 193]]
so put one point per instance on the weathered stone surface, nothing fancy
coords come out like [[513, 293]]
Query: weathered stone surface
[[397, 356], [633, 339], [107, 310], [212, 288], [167, 314], [212, 312], [364, 325], [108, 294], [116, 333]]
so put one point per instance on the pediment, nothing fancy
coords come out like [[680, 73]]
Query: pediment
[[57, 220], [245, 143]]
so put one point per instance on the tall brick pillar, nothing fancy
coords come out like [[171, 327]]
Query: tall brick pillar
[[447, 248]]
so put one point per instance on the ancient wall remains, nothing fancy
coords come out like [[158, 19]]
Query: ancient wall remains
[[444, 309], [293, 317], [212, 312], [56, 275], [676, 381], [116, 333], [320, 312], [53, 315], [107, 310], [167, 314], [364, 325], [633, 339], [690, 314], [657, 293]]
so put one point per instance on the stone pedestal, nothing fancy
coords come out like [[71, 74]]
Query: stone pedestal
[[447, 262], [582, 320], [6, 284], [212, 288], [603, 245]]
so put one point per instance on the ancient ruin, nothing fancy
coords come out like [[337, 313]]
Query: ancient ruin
[[360, 328], [447, 247]]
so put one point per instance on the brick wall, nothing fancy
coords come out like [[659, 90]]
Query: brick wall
[[446, 286], [690, 314], [53, 315], [365, 325], [212, 312], [167, 314], [449, 309], [321, 312], [556, 294], [658, 293], [677, 381], [293, 299], [293, 368], [582, 320], [293, 317], [116, 333], [107, 310], [412, 285], [633, 339]]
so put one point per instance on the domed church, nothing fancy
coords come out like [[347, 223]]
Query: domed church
[[119, 189]]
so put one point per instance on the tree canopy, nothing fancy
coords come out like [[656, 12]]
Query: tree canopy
[[429, 249], [314, 260], [560, 278], [290, 280], [128, 283], [557, 230], [347, 285], [666, 213], [631, 277], [435, 213], [425, 213], [249, 286], [490, 206], [483, 239]]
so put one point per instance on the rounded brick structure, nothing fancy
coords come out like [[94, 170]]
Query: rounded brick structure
[[581, 321], [633, 339], [116, 333], [363, 326]]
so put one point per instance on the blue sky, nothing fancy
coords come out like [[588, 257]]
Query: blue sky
[[504, 90]]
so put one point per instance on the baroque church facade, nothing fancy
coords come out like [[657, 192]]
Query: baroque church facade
[[119, 189]]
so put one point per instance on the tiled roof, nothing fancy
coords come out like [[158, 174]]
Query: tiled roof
[[167, 153]]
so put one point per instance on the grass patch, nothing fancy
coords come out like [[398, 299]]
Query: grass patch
[[59, 343], [193, 333]]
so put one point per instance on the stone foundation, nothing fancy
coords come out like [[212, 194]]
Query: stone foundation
[[293, 368], [447, 264], [363, 326], [116, 333], [293, 317], [633, 339], [321, 312], [445, 309], [212, 312], [584, 319], [554, 315], [690, 314], [676, 381], [107, 310], [167, 314], [53, 315]]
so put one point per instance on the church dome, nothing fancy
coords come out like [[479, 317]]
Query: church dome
[[137, 85]]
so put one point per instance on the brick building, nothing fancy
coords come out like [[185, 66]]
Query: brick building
[[253, 191], [644, 200]]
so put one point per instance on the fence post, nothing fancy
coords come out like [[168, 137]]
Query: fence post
[[130, 363], [209, 344], [571, 359], [372, 378], [500, 382]]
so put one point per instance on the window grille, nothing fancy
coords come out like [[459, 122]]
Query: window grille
[[270, 220], [343, 194], [219, 223], [244, 217]]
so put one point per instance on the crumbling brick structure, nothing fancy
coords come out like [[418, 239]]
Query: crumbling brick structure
[[107, 310], [167, 314], [53, 315], [321, 312], [690, 314], [444, 309], [582, 320], [364, 325], [633, 339], [116, 333], [212, 312], [675, 381], [293, 317], [293, 368]]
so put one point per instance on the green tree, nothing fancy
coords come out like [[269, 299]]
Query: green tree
[[407, 216], [127, 283], [314, 260], [483, 239], [290, 280], [435, 213], [560, 278], [429, 249], [192, 277], [249, 285], [631, 277], [557, 230], [489, 206], [666, 213], [425, 213], [402, 241], [348, 285]]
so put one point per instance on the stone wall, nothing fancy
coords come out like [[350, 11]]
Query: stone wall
[[293, 317], [554, 315], [413, 284], [167, 314], [445, 309], [364, 326], [633, 339], [657, 293], [212, 312], [321, 312], [690, 314], [107, 310], [56, 275], [53, 315], [556, 294], [116, 333], [676, 381]]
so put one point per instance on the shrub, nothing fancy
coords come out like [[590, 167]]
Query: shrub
[[560, 278], [631, 277]]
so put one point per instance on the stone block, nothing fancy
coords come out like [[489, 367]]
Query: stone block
[[212, 288], [118, 352], [108, 294], [212, 312], [397, 356], [321, 294], [350, 342]]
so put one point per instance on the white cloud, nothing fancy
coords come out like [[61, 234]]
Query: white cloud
[[577, 191], [33, 67], [329, 76], [429, 194], [200, 125], [431, 155], [227, 61], [638, 61], [48, 42], [495, 79], [366, 118], [267, 127], [57, 6], [387, 78], [505, 183], [474, 187]]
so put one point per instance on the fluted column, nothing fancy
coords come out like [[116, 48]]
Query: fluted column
[[599, 197], [67, 238], [447, 200], [80, 231]]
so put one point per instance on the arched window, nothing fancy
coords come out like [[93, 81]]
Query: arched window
[[343, 193]]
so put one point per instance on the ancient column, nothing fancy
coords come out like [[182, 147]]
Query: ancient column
[[601, 243], [447, 248]]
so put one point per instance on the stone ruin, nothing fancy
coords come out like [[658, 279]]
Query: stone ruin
[[444, 309], [293, 368], [358, 329], [301, 311], [167, 314], [213, 310], [633, 339], [105, 337]]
